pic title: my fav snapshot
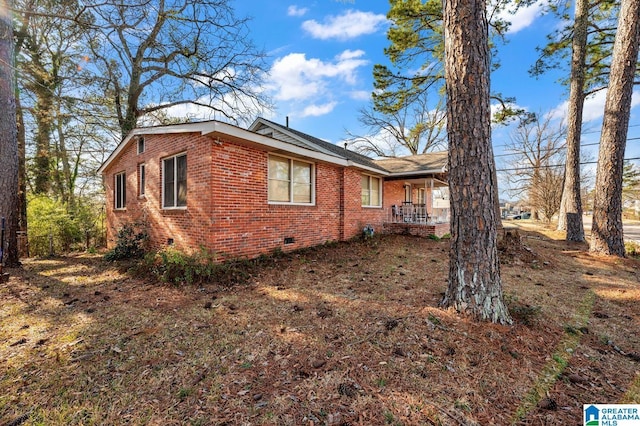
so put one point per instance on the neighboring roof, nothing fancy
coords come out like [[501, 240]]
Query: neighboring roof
[[261, 125], [433, 162]]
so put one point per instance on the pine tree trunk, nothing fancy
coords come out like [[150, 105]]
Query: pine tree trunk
[[474, 271], [606, 232], [571, 210], [9, 207]]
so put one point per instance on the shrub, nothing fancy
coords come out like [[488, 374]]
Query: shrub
[[632, 249], [56, 227], [175, 267], [131, 243], [51, 228]]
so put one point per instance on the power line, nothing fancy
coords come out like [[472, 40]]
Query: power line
[[549, 166], [582, 133], [559, 148]]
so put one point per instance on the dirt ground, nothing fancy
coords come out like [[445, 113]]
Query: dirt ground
[[344, 334]]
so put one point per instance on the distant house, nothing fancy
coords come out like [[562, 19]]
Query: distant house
[[245, 192]]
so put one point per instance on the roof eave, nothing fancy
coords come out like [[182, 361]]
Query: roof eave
[[417, 172]]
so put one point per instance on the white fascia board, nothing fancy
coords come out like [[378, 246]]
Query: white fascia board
[[367, 168], [275, 144], [290, 148], [203, 128], [224, 129], [418, 172]]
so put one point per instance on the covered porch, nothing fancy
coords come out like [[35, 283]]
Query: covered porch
[[423, 209], [416, 195]]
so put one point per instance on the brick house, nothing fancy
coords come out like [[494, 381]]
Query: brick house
[[245, 192]]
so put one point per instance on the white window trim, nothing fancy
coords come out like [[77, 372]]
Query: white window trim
[[142, 142], [175, 187], [313, 182], [123, 191], [142, 184], [369, 206]]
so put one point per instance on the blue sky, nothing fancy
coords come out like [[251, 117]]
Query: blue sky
[[322, 53]]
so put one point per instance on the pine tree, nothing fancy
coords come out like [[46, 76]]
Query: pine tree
[[606, 231]]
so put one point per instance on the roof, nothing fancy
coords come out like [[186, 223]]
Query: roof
[[277, 137], [433, 162], [288, 140], [260, 124]]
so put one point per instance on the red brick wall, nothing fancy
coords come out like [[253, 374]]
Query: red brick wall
[[356, 217], [186, 226], [420, 230], [227, 208]]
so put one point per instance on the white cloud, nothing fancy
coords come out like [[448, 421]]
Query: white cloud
[[294, 77], [351, 24], [523, 17], [593, 106], [318, 110], [360, 95], [294, 10]]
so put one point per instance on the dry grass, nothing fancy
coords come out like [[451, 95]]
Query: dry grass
[[345, 334]]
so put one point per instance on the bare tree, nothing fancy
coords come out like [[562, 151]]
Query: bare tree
[[475, 285], [168, 53], [51, 65], [534, 152], [413, 129], [9, 202], [606, 231], [546, 193]]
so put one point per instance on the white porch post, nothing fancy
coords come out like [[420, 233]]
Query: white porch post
[[431, 200]]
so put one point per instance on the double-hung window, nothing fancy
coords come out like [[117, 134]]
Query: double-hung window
[[141, 179], [290, 181], [371, 191], [140, 145], [120, 190], [174, 181]]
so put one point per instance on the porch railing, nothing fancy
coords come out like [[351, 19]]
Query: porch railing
[[416, 213]]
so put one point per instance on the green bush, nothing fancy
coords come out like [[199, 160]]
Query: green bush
[[131, 243], [55, 227], [632, 249], [175, 267], [51, 227]]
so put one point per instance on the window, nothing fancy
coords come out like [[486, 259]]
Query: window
[[140, 145], [141, 179], [290, 181], [371, 191], [174, 181], [120, 191], [421, 196], [407, 193]]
